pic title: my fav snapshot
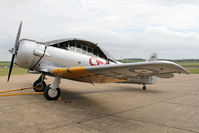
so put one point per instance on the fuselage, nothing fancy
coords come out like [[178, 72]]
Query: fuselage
[[36, 56], [43, 58]]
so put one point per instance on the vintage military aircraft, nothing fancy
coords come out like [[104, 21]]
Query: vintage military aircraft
[[83, 61]]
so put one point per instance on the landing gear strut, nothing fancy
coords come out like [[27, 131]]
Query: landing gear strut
[[52, 91], [39, 84], [144, 87]]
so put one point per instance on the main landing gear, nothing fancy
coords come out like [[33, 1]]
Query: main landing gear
[[39, 84], [52, 91]]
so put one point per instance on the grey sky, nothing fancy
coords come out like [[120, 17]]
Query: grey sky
[[126, 28]]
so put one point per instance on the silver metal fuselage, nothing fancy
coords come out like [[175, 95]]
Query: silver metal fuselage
[[30, 52], [43, 58]]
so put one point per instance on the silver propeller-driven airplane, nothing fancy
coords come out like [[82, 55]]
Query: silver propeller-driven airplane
[[84, 61]]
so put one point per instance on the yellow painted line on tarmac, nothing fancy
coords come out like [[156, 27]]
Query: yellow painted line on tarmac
[[22, 94], [16, 90], [15, 94]]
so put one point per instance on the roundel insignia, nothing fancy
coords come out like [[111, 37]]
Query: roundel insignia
[[143, 71]]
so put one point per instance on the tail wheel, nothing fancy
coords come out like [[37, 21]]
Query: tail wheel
[[144, 87], [51, 94], [39, 86]]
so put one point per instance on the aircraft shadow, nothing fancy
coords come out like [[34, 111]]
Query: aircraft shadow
[[83, 101], [120, 89], [80, 101]]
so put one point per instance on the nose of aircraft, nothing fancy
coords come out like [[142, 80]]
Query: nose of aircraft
[[25, 54]]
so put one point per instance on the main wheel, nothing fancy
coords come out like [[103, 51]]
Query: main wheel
[[51, 94], [39, 86]]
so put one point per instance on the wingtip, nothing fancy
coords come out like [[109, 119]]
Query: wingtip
[[184, 70], [181, 70], [187, 72]]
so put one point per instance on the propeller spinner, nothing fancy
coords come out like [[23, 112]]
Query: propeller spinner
[[15, 50]]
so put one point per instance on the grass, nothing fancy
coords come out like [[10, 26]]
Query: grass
[[6, 63], [193, 70], [188, 64], [4, 68], [15, 70]]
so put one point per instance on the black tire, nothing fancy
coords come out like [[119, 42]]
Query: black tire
[[54, 96], [144, 87], [38, 86]]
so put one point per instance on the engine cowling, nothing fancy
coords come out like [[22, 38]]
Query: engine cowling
[[29, 53]]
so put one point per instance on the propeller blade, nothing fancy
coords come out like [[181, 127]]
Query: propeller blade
[[14, 52], [17, 38], [11, 66]]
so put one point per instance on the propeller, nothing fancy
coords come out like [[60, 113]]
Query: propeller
[[14, 51]]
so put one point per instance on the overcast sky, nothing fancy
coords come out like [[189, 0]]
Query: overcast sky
[[125, 28]]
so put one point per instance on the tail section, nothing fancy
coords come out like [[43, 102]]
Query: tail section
[[153, 57]]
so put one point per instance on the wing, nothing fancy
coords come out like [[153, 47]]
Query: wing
[[120, 72]]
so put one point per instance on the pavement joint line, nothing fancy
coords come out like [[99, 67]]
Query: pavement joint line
[[183, 104], [135, 108], [143, 106], [75, 122], [174, 97], [99, 117], [163, 125]]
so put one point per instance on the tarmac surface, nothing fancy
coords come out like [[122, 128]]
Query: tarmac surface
[[170, 105]]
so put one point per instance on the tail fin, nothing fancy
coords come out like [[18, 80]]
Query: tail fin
[[153, 57]]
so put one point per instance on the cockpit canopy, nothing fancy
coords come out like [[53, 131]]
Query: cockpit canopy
[[81, 46]]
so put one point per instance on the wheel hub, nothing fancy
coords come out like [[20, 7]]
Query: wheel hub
[[52, 92], [40, 86]]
